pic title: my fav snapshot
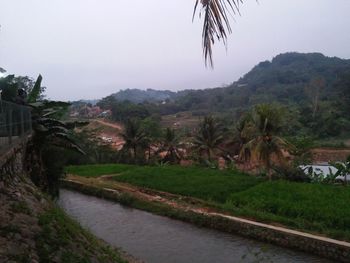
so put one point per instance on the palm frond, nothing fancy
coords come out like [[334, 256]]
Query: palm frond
[[216, 23]]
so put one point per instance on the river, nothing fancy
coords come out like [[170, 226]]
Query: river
[[157, 239]]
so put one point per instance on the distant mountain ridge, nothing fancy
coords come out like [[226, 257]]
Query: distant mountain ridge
[[282, 79], [315, 89], [138, 96]]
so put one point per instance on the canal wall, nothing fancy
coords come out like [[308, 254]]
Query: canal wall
[[33, 229], [321, 246]]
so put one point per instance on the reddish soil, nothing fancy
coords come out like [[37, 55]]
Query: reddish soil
[[325, 155], [110, 124]]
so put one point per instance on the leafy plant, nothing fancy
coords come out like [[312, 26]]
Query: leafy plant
[[216, 23], [135, 139], [49, 133], [343, 169], [209, 137], [266, 124], [170, 145]]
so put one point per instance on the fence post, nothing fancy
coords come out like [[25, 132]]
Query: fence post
[[15, 123], [10, 124], [22, 123]]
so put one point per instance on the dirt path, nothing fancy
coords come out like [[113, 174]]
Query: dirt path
[[109, 124]]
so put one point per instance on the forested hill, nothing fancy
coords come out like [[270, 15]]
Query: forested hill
[[289, 78], [315, 89]]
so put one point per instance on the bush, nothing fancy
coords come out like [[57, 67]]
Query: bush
[[290, 173]]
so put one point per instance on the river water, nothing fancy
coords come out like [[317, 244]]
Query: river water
[[157, 239]]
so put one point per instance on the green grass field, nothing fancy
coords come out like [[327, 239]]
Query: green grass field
[[207, 184], [317, 208], [98, 170]]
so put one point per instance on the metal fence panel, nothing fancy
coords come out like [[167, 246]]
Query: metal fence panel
[[15, 123]]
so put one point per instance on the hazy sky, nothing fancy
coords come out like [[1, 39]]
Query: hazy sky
[[88, 49]]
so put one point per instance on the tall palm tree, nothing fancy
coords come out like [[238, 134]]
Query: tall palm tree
[[170, 145], [216, 23], [209, 137], [264, 143], [135, 138]]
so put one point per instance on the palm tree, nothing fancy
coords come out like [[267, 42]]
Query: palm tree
[[216, 23], [170, 145], [209, 137], [266, 121], [134, 137]]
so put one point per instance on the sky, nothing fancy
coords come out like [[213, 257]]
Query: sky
[[88, 49]]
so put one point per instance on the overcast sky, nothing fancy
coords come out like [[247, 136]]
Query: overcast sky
[[88, 49]]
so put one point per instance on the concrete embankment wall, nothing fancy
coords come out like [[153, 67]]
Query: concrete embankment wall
[[324, 247]]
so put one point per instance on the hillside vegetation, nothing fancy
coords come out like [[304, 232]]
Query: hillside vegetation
[[313, 88]]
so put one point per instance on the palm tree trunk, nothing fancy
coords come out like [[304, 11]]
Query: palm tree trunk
[[209, 155], [134, 150], [149, 153], [268, 169]]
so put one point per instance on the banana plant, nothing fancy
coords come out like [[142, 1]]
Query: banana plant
[[343, 170], [48, 132]]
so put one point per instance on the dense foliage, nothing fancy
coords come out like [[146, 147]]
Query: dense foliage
[[313, 88]]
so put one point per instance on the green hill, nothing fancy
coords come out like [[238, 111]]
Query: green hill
[[314, 88]]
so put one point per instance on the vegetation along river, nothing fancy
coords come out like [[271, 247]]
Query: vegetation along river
[[157, 239]]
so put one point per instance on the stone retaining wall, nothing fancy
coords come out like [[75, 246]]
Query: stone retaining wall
[[12, 162], [321, 246]]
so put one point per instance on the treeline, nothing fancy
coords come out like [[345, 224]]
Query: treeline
[[313, 89]]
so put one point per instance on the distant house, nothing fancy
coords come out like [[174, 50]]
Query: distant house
[[105, 114]]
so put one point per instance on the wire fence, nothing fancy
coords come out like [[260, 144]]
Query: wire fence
[[15, 124]]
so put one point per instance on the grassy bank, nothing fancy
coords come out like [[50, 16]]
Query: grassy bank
[[63, 238], [310, 207]]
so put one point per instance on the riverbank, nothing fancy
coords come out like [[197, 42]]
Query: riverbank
[[314, 208], [193, 211], [33, 229], [159, 239]]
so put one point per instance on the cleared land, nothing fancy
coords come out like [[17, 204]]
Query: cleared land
[[317, 208]]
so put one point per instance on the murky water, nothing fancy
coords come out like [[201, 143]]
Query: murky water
[[157, 239]]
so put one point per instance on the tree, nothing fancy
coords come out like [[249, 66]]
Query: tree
[[210, 136], [49, 134], [135, 138], [267, 123], [216, 23], [170, 144], [313, 91]]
